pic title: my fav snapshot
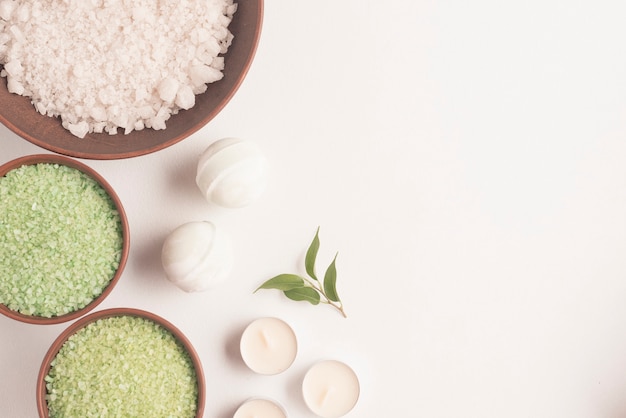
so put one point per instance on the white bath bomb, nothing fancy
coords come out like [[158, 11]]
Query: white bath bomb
[[232, 172], [197, 256]]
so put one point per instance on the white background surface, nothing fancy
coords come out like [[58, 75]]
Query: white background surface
[[466, 159]]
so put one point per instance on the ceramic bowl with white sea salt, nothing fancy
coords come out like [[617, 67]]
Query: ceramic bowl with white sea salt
[[64, 239], [121, 362], [134, 79]]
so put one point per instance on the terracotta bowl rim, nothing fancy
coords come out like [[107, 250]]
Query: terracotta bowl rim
[[42, 407], [70, 162]]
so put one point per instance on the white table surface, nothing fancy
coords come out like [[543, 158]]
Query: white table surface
[[466, 160]]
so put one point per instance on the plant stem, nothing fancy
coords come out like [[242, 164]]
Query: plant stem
[[317, 286], [339, 307]]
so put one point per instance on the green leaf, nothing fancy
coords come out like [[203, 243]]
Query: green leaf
[[330, 281], [305, 293], [283, 282], [311, 255]]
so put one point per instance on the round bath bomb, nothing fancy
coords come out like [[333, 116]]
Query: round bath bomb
[[232, 172], [197, 256]]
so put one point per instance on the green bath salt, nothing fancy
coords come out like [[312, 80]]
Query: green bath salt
[[122, 366], [60, 239]]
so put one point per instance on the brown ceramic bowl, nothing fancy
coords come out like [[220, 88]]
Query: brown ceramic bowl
[[42, 405], [20, 116], [62, 160]]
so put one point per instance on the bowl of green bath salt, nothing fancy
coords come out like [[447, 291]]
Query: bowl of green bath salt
[[64, 239], [121, 362]]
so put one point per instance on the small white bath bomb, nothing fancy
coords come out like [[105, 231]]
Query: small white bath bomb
[[232, 172], [197, 256]]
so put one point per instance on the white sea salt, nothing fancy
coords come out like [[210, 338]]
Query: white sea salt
[[101, 65]]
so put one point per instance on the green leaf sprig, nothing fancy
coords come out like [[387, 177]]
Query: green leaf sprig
[[309, 289]]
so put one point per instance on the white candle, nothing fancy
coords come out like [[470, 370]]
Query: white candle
[[268, 346], [260, 408], [330, 389]]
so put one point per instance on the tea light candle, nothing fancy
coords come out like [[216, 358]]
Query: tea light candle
[[268, 346], [260, 408], [330, 389]]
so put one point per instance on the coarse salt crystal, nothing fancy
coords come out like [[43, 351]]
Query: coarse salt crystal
[[167, 89], [15, 86], [6, 9], [185, 99], [23, 13], [79, 129]]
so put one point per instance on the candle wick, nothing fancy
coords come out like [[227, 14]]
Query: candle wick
[[265, 339], [324, 395]]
